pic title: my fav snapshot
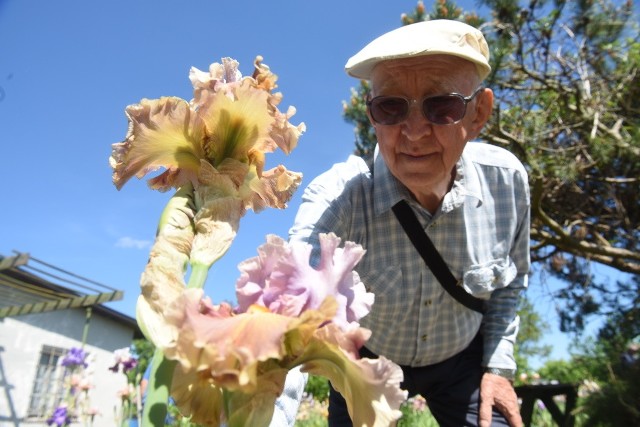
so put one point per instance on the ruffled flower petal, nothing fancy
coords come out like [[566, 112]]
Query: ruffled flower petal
[[200, 399], [256, 409], [221, 77], [197, 397], [283, 133], [163, 133], [371, 387], [210, 337], [224, 342], [263, 76], [281, 279], [273, 189], [236, 125]]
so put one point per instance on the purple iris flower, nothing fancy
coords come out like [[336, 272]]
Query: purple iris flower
[[60, 417], [75, 357], [129, 364], [123, 359]]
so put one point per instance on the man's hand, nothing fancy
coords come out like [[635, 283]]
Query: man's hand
[[498, 391]]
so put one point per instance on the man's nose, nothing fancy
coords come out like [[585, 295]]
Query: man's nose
[[416, 125]]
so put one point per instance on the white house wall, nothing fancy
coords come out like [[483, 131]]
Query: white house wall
[[21, 341]]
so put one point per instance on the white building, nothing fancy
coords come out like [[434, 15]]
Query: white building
[[32, 345]]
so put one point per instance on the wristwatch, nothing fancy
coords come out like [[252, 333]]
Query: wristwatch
[[509, 374]]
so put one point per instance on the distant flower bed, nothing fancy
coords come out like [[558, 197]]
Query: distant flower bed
[[415, 413]]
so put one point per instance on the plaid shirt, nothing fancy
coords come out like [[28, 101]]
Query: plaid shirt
[[481, 230]]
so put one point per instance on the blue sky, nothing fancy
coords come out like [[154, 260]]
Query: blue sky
[[69, 68]]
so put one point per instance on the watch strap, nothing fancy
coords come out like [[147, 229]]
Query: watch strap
[[509, 374]]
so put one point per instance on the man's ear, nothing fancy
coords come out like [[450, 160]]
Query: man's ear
[[482, 111]]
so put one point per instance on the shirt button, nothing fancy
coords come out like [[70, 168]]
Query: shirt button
[[427, 302], [424, 337]]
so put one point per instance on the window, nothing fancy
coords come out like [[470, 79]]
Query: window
[[48, 385]]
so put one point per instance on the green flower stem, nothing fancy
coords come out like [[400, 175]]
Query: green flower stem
[[156, 403], [124, 417], [226, 402], [198, 275]]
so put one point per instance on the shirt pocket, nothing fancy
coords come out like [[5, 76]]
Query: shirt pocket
[[390, 296], [482, 279]]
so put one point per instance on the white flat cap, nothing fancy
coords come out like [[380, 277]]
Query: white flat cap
[[435, 37]]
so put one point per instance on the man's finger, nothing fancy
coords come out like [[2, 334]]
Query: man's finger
[[511, 413], [484, 414]]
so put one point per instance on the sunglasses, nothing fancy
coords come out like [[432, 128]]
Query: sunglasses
[[440, 110]]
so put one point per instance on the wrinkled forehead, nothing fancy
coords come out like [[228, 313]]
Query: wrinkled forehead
[[447, 72]]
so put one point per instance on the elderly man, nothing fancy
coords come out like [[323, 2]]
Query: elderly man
[[450, 327]]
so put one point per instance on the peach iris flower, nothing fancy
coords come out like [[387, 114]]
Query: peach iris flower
[[212, 149], [233, 362], [230, 117]]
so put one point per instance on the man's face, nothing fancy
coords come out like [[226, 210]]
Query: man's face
[[420, 154]]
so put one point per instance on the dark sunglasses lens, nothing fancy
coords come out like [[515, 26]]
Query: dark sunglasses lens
[[389, 111], [444, 110]]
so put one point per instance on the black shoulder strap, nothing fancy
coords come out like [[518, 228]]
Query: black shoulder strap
[[432, 257]]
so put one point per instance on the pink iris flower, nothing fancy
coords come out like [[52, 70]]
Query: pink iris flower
[[289, 315]]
